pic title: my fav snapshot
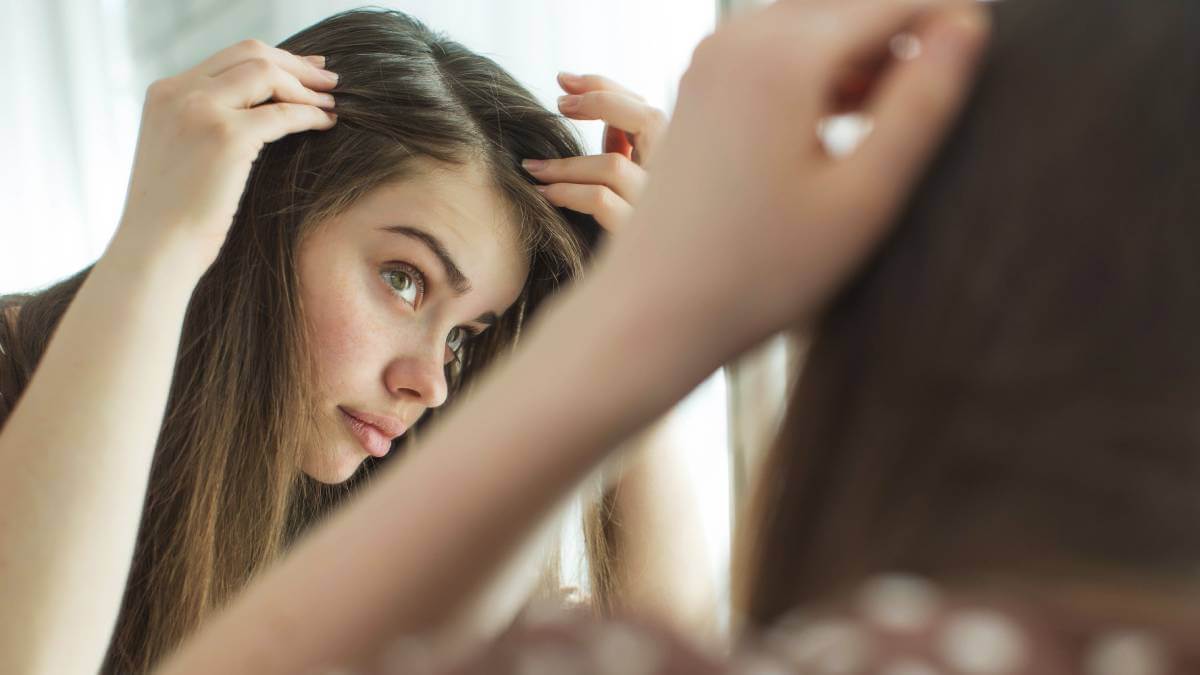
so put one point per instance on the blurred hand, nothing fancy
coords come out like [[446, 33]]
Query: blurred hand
[[201, 131], [604, 186], [746, 219]]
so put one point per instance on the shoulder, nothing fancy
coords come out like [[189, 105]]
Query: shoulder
[[894, 624], [560, 642]]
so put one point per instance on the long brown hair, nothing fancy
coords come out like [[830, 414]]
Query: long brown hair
[[226, 494], [1010, 391]]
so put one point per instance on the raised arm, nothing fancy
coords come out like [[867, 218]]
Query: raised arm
[[662, 557], [745, 228], [77, 448]]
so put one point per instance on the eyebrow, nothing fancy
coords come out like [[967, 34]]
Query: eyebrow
[[458, 281]]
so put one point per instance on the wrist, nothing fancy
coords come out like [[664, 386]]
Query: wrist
[[171, 256], [677, 301]]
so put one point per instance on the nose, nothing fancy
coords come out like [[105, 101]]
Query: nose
[[418, 374]]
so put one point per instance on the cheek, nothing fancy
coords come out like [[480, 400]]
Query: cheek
[[340, 334]]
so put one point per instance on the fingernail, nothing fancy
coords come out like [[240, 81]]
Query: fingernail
[[330, 75], [569, 103], [540, 188], [571, 77], [532, 165], [318, 61], [332, 116], [326, 100]]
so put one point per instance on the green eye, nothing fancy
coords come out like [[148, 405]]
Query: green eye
[[406, 283]]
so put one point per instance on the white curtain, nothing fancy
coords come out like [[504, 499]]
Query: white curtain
[[69, 122], [644, 44]]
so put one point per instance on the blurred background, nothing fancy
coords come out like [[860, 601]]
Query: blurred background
[[78, 71]]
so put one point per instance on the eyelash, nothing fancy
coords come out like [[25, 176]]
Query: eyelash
[[418, 278], [412, 271]]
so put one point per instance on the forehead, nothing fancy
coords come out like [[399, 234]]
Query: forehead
[[460, 207], [460, 201]]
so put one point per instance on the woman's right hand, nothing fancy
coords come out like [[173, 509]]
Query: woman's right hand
[[202, 129], [745, 216]]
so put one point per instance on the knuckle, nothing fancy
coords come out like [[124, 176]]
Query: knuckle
[[252, 47], [599, 99], [703, 54], [282, 112], [196, 111], [601, 199], [221, 130], [615, 163], [161, 90], [260, 65], [740, 52], [196, 104], [713, 60], [587, 101]]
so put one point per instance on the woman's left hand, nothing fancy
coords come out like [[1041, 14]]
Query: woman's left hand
[[605, 186]]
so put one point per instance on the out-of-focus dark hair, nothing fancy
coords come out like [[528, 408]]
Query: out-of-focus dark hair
[[1010, 390]]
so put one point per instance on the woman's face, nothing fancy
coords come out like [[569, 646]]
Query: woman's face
[[391, 290]]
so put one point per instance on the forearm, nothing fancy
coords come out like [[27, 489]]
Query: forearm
[[505, 593], [77, 452], [430, 531]]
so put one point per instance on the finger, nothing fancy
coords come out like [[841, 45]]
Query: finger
[[273, 121], [612, 170], [598, 201], [644, 123], [620, 110], [581, 84], [308, 71], [256, 81], [916, 100]]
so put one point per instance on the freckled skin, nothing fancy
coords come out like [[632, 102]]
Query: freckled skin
[[374, 352]]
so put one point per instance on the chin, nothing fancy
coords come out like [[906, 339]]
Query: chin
[[335, 469]]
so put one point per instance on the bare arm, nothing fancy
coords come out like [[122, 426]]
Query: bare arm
[[504, 593], [77, 453], [77, 448], [662, 563], [745, 231]]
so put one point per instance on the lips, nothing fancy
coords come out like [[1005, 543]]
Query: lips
[[373, 432]]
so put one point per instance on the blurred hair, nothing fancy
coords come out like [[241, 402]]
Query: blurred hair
[[1010, 390]]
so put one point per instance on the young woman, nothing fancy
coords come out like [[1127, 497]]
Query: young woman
[[1003, 401], [746, 227], [289, 292]]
